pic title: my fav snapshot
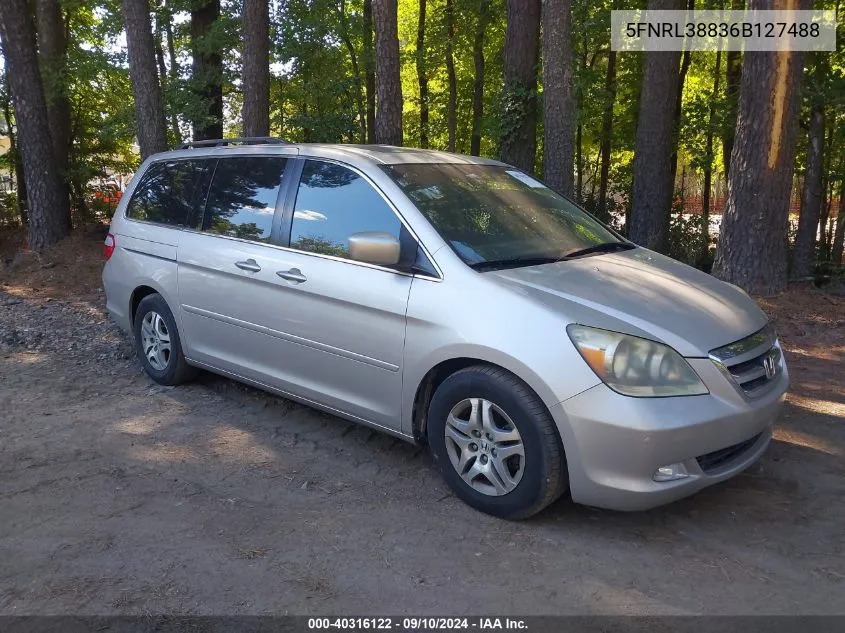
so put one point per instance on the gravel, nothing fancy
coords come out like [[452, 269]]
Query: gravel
[[77, 330]]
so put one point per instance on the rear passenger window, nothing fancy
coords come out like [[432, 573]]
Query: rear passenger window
[[166, 192], [242, 199], [332, 203]]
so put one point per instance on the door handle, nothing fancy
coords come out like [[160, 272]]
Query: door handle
[[249, 265], [294, 274]]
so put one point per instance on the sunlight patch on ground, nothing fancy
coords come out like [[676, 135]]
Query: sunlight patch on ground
[[817, 405], [142, 425], [625, 600], [233, 444], [24, 292], [229, 444], [164, 452], [26, 358], [806, 441], [816, 353]]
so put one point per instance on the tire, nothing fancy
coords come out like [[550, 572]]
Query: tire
[[533, 480], [168, 367]]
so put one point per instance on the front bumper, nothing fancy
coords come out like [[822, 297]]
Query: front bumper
[[614, 443]]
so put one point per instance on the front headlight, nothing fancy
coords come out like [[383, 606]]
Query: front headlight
[[635, 366]]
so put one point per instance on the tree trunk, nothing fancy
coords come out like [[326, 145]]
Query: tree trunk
[[579, 131], [519, 137], [158, 32], [824, 222], [606, 135], [356, 72], [579, 163], [804, 255], [421, 76], [149, 115], [388, 84], [839, 233], [708, 158], [827, 195], [48, 201], [162, 17], [207, 72], [369, 71], [733, 78], [52, 52], [173, 70], [15, 155], [559, 106], [594, 179], [478, 80], [651, 198], [77, 190], [52, 49], [686, 60], [752, 239], [256, 68], [452, 109]]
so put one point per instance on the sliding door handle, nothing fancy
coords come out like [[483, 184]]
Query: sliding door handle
[[294, 274], [250, 265]]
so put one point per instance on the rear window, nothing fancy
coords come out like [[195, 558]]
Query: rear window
[[242, 199], [167, 192]]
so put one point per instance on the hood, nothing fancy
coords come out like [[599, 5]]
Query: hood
[[643, 293]]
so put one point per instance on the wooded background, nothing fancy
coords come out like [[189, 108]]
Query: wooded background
[[653, 143]]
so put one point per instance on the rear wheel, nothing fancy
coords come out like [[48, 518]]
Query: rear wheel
[[495, 443], [158, 344]]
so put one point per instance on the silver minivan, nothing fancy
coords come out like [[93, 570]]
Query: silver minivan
[[448, 300]]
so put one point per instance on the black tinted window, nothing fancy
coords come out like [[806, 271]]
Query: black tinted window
[[242, 198], [167, 192], [334, 202]]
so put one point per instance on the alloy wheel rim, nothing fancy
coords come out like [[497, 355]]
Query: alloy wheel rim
[[155, 340], [484, 447]]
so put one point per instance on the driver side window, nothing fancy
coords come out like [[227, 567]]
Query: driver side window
[[332, 203]]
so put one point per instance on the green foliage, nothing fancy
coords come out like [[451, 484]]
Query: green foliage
[[9, 209], [686, 239], [317, 89], [512, 110], [313, 99], [100, 94]]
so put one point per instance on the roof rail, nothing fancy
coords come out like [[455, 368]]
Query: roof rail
[[242, 140]]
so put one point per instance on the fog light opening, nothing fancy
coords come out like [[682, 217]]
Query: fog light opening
[[670, 472]]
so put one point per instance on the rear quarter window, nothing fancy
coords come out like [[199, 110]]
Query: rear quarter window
[[168, 191]]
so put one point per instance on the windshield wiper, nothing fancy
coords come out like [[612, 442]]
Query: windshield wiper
[[515, 262], [537, 260], [606, 247]]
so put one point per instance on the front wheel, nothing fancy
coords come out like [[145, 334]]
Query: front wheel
[[495, 443]]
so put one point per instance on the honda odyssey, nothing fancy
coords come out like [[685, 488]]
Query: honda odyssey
[[448, 300]]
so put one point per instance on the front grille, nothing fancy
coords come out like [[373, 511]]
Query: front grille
[[751, 363], [725, 456]]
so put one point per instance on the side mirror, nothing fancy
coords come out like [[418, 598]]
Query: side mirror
[[374, 247]]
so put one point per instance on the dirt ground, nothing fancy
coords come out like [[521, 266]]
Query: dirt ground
[[118, 496]]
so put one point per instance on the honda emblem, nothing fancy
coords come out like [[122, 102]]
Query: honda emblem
[[769, 366]]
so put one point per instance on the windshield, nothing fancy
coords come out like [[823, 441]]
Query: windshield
[[496, 216]]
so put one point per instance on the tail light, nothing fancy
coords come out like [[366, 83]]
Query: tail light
[[108, 247]]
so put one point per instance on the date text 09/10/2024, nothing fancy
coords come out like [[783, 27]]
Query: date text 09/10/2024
[[416, 624]]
